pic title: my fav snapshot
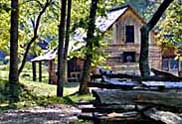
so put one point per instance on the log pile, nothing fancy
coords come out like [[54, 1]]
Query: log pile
[[135, 102]]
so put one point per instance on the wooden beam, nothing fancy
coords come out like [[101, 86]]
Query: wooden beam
[[164, 74], [34, 70], [106, 109], [119, 97], [179, 69], [50, 68], [138, 78], [109, 86], [40, 71]]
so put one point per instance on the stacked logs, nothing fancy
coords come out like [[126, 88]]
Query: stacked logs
[[135, 102]]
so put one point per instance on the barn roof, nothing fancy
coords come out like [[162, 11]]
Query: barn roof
[[103, 23]]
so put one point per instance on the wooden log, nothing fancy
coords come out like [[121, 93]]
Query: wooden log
[[137, 77], [110, 86], [164, 74], [119, 97], [109, 109], [163, 116], [163, 84], [124, 87], [101, 110]]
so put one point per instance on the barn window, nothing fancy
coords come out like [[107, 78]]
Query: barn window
[[130, 34], [170, 64], [129, 57], [165, 64], [174, 65]]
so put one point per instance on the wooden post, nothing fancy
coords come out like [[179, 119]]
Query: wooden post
[[50, 66], [40, 71], [179, 68], [34, 70], [169, 64]]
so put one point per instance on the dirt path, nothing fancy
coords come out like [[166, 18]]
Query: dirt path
[[55, 114]]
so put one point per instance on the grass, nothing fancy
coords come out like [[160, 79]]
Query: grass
[[36, 93]]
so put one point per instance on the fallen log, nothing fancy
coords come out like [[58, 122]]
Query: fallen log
[[139, 78], [166, 117], [165, 74], [109, 109], [163, 84], [119, 97], [124, 86], [110, 85]]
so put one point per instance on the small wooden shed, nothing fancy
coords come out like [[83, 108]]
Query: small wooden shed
[[75, 66]]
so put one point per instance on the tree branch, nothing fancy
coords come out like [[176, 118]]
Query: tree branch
[[158, 14], [35, 36]]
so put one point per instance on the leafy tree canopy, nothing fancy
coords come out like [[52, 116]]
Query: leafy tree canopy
[[171, 26]]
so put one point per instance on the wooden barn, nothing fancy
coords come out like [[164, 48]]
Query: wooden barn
[[121, 29], [122, 33]]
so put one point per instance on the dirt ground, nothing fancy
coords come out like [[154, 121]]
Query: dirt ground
[[54, 114]]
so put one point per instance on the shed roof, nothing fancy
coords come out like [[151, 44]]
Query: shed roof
[[50, 55]]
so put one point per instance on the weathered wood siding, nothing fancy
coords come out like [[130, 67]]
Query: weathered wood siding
[[117, 46]]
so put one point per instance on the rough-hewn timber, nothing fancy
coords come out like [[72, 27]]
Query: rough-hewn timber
[[119, 97]]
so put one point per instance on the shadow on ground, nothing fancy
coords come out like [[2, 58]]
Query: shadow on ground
[[55, 114]]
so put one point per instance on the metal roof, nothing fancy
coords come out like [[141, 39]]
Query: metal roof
[[50, 55], [103, 23]]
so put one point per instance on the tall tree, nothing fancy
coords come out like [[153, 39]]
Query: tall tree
[[143, 61], [60, 82], [13, 70], [67, 37], [90, 36]]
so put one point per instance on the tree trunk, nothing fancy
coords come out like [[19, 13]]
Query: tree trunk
[[87, 63], [13, 70], [61, 68], [67, 39], [143, 61]]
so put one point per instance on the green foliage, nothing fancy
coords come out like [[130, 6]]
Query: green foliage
[[146, 8], [28, 12], [4, 25], [171, 26]]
